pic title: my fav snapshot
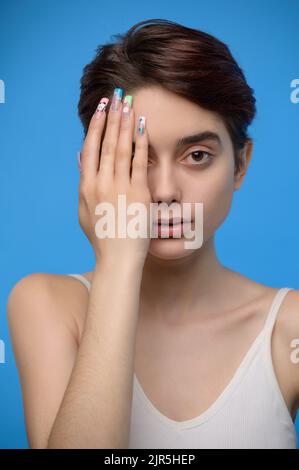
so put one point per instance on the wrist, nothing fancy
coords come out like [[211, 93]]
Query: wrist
[[124, 265]]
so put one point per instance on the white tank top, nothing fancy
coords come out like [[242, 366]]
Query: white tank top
[[250, 413]]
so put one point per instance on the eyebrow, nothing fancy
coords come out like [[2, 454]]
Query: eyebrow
[[193, 139]]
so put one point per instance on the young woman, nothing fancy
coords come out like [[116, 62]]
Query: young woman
[[158, 346]]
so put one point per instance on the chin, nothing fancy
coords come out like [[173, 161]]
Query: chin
[[169, 248]]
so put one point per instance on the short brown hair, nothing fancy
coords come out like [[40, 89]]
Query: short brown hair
[[185, 61]]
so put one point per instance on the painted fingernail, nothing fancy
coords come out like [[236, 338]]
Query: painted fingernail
[[127, 105], [79, 159], [101, 107], [141, 124], [117, 96]]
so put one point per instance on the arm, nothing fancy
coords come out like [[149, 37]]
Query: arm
[[77, 397], [44, 342], [89, 403], [96, 408]]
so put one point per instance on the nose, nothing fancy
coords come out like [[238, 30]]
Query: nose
[[164, 185]]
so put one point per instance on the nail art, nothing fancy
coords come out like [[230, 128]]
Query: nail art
[[117, 96], [127, 105], [141, 125], [101, 107]]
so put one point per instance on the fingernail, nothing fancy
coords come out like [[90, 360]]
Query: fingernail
[[141, 124], [79, 159], [127, 105], [117, 96], [101, 107]]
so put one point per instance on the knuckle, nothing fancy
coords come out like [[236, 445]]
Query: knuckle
[[92, 128], [139, 145], [121, 155], [113, 119], [93, 122], [108, 148], [137, 164], [86, 150], [125, 124], [104, 165]]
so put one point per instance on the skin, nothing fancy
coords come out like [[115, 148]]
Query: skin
[[192, 286], [196, 297], [171, 271]]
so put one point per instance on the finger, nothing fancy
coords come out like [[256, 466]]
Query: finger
[[90, 151], [123, 155], [106, 167], [140, 160]]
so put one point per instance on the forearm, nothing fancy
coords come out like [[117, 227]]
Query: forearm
[[96, 408]]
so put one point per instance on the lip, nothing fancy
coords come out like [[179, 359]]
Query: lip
[[176, 221], [168, 231]]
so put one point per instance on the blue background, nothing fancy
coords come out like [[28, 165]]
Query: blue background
[[43, 48]]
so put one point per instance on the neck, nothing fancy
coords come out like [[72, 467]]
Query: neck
[[178, 288]]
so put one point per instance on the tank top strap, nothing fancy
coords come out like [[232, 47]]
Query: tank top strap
[[82, 279], [274, 309]]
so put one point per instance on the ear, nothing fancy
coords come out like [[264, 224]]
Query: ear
[[244, 158]]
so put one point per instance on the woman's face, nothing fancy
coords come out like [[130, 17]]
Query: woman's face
[[202, 171]]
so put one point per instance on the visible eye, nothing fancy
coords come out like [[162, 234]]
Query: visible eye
[[198, 157]]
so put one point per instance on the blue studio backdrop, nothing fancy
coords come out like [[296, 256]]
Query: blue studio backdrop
[[43, 49]]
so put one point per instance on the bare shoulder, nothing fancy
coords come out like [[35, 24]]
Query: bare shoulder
[[289, 318], [44, 314], [285, 334], [288, 327], [285, 347], [58, 295], [287, 323]]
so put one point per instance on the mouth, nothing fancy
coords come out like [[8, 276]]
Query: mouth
[[171, 222], [169, 228]]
